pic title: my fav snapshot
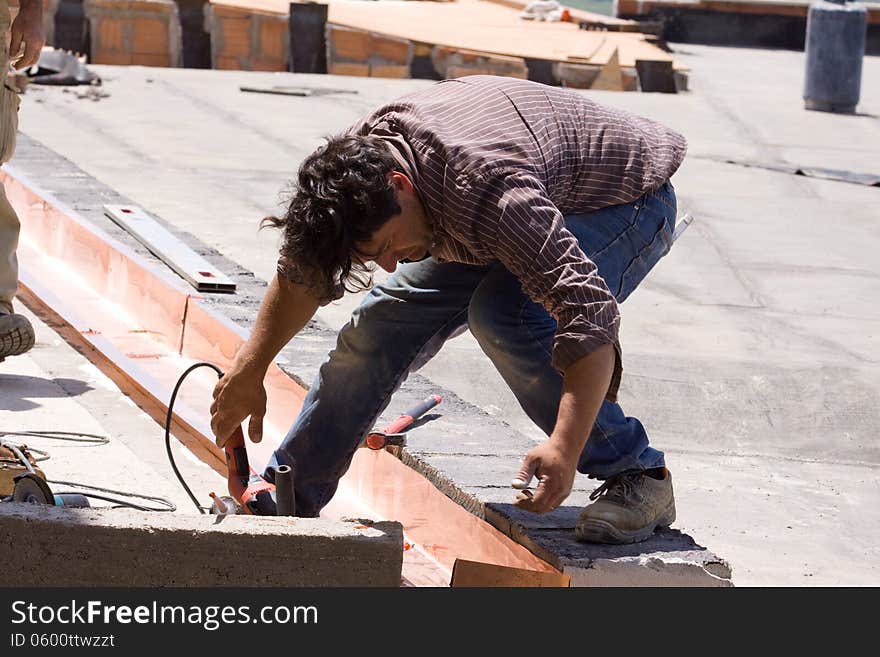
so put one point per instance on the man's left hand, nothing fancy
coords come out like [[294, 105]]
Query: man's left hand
[[555, 469], [27, 33]]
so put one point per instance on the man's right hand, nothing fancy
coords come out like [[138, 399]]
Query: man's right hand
[[237, 396], [26, 34]]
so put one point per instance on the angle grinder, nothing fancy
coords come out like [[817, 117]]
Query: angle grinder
[[22, 481]]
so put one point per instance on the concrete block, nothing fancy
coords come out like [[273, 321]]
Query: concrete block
[[668, 558], [48, 546]]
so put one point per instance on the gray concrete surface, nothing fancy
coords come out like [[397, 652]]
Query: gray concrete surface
[[48, 546], [749, 352]]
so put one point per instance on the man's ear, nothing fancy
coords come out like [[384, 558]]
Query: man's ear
[[400, 182]]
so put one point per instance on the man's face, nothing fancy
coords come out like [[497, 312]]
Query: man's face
[[406, 236]]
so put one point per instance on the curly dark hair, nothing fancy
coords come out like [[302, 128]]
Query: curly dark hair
[[342, 196]]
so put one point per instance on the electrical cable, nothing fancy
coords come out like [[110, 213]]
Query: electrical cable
[[168, 427], [90, 438], [167, 505], [80, 437]]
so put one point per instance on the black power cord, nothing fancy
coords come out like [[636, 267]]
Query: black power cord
[[102, 440], [72, 436], [167, 505], [168, 427]]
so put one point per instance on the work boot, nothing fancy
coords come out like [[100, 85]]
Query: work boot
[[628, 508], [16, 335]]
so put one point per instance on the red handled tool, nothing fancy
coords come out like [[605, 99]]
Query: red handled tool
[[255, 494], [392, 434]]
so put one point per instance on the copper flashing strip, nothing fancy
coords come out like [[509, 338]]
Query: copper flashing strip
[[143, 327]]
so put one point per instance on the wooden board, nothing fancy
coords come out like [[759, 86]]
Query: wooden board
[[477, 574], [480, 26]]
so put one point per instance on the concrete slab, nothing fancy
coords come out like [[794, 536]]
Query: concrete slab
[[749, 352], [48, 546]]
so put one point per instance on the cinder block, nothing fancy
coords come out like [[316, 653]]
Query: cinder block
[[50, 546], [347, 68]]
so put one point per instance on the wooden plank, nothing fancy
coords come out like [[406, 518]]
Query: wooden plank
[[467, 573], [610, 78], [476, 25]]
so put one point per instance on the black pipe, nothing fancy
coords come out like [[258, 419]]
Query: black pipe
[[285, 501]]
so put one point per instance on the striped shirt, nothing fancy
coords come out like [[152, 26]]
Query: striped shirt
[[497, 162]]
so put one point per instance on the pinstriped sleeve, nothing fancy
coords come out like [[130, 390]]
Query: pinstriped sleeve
[[526, 233]]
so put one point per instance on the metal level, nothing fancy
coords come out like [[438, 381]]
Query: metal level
[[197, 271]]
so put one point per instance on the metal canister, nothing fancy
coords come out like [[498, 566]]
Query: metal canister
[[835, 46]]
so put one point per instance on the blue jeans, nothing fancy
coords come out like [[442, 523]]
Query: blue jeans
[[402, 323]]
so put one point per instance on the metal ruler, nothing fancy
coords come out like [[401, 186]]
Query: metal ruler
[[201, 274]]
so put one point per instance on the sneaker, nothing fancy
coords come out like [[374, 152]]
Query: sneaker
[[628, 508], [16, 335]]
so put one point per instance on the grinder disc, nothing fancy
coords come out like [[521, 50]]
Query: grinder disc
[[31, 489]]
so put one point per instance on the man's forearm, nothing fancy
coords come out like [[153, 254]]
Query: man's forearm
[[584, 388], [284, 311]]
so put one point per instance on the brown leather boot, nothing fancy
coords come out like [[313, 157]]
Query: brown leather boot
[[16, 335], [628, 508]]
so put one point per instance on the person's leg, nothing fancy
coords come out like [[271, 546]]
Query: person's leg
[[9, 228], [625, 242], [399, 325], [16, 332]]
